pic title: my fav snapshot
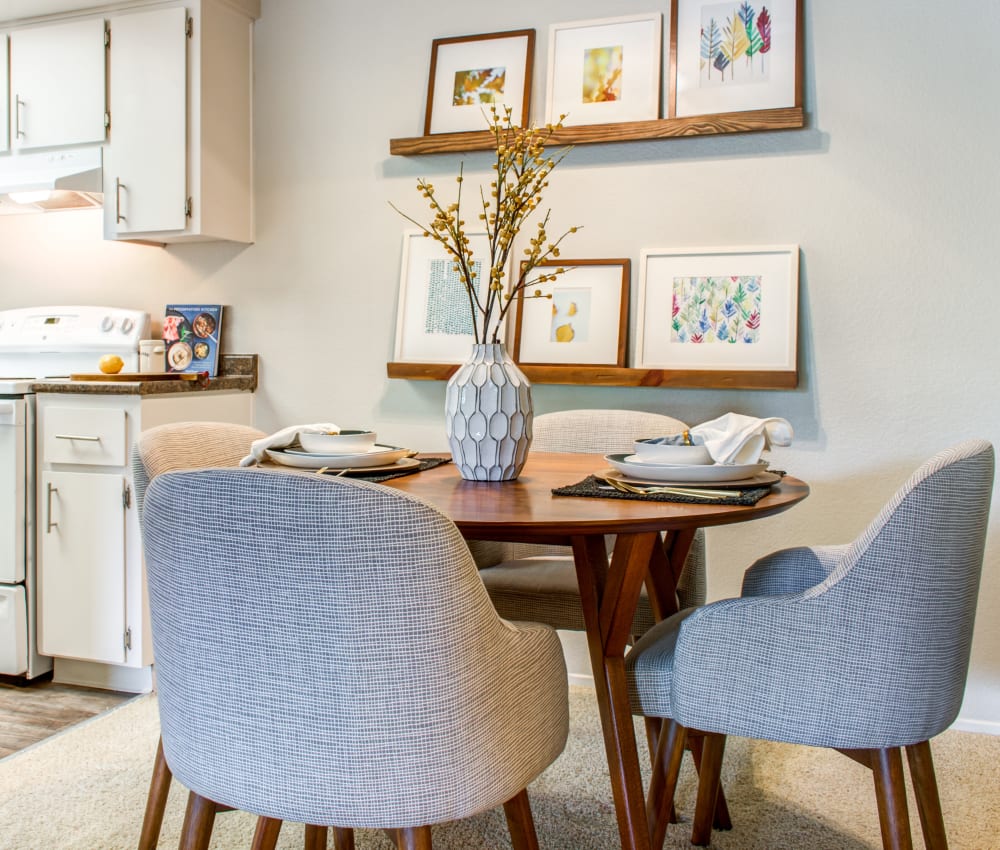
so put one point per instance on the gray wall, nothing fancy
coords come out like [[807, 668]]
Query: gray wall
[[890, 192]]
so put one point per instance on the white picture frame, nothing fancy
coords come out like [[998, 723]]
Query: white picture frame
[[583, 323], [767, 78], [433, 306], [743, 300], [605, 71]]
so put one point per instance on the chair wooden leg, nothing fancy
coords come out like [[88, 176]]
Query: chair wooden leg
[[520, 822], [722, 819], [265, 837], [343, 838], [414, 838], [198, 821], [315, 837], [713, 747], [663, 781], [926, 790], [156, 801], [890, 793]]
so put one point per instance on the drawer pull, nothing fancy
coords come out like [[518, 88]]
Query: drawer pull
[[78, 437], [49, 524]]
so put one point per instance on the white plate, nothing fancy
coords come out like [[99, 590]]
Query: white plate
[[705, 474], [398, 466], [377, 456]]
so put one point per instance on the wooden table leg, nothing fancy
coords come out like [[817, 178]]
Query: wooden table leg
[[609, 598]]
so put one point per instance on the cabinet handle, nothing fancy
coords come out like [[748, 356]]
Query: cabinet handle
[[78, 437], [119, 218], [18, 103], [49, 524]]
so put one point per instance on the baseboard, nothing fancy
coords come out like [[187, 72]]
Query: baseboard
[[581, 680], [108, 677], [982, 727]]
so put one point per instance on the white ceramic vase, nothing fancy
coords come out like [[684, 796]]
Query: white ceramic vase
[[488, 415]]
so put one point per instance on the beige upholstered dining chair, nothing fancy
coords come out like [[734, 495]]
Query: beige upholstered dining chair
[[168, 448], [326, 654], [863, 648], [537, 583]]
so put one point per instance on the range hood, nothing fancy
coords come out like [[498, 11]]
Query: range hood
[[54, 180]]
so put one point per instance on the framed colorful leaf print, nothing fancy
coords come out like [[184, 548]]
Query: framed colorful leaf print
[[582, 318], [736, 55], [605, 71], [733, 309], [469, 73]]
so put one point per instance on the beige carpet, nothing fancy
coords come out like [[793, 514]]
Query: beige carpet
[[85, 788]]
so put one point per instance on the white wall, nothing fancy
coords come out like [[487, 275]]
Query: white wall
[[890, 192]]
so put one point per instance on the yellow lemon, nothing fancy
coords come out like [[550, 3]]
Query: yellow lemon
[[111, 364]]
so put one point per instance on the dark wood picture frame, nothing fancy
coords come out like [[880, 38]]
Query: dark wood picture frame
[[440, 48], [797, 72], [614, 331]]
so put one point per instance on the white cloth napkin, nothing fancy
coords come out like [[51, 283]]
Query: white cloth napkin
[[735, 438], [282, 438]]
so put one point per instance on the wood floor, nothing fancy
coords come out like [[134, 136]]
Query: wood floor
[[33, 711]]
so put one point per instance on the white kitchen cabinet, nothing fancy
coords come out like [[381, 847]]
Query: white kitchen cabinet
[[93, 614], [82, 588], [179, 160], [57, 84], [4, 102]]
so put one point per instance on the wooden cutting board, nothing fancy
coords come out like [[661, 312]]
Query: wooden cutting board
[[138, 376]]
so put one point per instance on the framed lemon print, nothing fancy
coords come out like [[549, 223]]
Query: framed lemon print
[[580, 319]]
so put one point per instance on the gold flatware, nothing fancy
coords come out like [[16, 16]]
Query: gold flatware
[[699, 493]]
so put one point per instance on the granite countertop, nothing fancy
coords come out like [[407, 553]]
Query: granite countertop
[[236, 372]]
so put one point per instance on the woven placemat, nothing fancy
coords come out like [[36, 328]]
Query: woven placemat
[[594, 487], [425, 463]]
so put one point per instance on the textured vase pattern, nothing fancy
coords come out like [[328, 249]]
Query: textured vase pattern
[[488, 415]]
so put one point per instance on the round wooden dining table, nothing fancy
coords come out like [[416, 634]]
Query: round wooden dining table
[[652, 542]]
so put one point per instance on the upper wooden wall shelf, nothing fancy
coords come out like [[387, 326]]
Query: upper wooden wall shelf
[[612, 376], [787, 118]]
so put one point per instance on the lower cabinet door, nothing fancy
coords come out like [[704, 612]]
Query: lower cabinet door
[[81, 566]]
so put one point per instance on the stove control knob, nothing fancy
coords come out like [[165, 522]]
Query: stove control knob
[[127, 325], [107, 323]]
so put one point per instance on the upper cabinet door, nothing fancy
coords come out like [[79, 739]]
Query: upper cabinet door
[[57, 84], [4, 111], [146, 173]]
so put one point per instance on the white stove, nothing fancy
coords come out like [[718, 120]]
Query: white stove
[[49, 343], [53, 342]]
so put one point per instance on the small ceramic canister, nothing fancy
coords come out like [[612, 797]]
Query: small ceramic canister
[[151, 353]]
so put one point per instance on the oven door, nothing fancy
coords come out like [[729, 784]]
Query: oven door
[[13, 490]]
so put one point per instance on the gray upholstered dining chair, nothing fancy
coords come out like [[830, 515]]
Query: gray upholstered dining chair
[[863, 648], [167, 448], [537, 583], [327, 654]]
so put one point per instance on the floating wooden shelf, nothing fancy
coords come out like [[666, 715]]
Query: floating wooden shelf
[[787, 118], [611, 376]]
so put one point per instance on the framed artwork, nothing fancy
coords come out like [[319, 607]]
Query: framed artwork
[[433, 317], [605, 71], [471, 72], [585, 322], [732, 309], [736, 55]]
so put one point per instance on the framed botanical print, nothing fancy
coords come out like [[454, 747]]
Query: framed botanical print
[[605, 71], [736, 56], [732, 309], [471, 73], [581, 318]]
